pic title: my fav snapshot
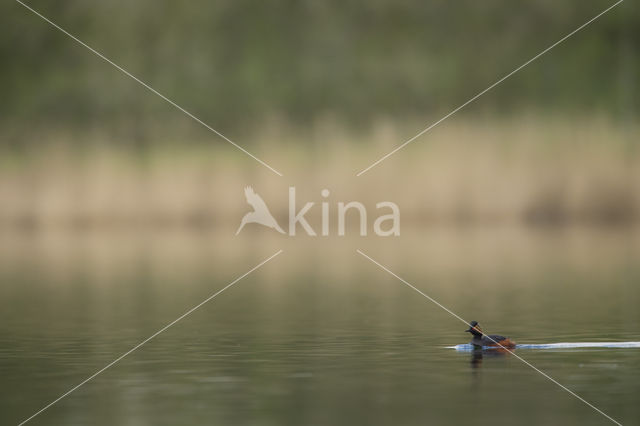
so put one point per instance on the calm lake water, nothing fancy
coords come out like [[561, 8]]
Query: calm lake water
[[319, 335]]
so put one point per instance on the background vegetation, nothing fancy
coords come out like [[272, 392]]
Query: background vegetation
[[319, 90]]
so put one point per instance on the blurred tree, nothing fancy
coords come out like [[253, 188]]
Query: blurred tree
[[235, 63]]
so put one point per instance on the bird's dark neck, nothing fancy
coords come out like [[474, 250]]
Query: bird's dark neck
[[476, 340], [476, 333]]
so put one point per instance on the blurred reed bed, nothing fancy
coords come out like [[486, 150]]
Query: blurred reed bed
[[529, 169]]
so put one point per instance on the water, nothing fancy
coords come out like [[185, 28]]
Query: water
[[319, 335], [564, 345]]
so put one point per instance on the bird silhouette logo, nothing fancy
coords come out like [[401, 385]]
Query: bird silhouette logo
[[260, 213]]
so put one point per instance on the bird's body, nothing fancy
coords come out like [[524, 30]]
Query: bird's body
[[481, 340], [260, 213]]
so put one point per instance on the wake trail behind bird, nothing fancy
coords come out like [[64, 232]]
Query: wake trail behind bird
[[563, 345]]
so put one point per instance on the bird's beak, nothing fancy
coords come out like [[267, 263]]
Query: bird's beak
[[468, 330]]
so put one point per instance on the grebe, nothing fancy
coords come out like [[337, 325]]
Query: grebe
[[481, 340]]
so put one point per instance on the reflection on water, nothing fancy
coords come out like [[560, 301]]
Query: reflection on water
[[477, 355], [319, 335]]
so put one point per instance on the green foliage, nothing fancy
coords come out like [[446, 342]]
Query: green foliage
[[235, 63]]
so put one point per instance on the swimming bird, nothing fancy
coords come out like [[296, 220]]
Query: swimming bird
[[260, 213], [480, 339]]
